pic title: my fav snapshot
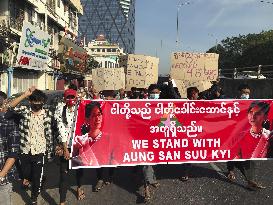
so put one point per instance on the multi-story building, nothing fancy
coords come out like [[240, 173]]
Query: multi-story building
[[58, 18], [105, 53], [115, 19]]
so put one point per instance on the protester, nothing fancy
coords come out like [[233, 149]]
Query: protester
[[121, 95], [247, 167], [36, 141], [95, 94], [89, 149], [192, 94], [9, 151], [168, 91], [148, 171], [244, 91], [65, 116]]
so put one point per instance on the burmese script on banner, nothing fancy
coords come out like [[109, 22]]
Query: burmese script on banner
[[122, 133]]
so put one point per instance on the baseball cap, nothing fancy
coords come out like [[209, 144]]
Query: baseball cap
[[69, 92]]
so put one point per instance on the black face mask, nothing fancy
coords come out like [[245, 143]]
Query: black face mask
[[36, 107]]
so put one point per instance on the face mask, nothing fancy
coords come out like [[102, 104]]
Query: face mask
[[154, 96], [245, 96], [36, 107], [70, 102]]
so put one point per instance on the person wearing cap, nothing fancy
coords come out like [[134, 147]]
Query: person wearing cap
[[36, 139], [65, 116]]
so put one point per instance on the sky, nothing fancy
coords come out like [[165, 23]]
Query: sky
[[202, 23]]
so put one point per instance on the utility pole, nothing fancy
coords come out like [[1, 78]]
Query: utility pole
[[179, 5]]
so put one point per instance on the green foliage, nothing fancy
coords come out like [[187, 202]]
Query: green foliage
[[91, 64], [245, 50]]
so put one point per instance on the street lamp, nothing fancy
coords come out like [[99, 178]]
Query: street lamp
[[179, 5]]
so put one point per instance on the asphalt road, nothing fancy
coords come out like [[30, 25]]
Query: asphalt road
[[206, 186]]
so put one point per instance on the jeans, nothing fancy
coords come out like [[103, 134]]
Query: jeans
[[64, 178], [33, 169], [5, 194], [247, 168]]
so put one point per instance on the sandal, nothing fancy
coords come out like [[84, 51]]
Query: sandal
[[109, 181], [81, 194], [99, 185], [231, 176], [25, 184], [184, 178], [147, 194], [254, 186], [156, 184]]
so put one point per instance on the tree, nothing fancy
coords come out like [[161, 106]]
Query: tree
[[245, 50], [91, 64]]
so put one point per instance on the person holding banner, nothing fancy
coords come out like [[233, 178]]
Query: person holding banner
[[89, 149], [65, 116], [192, 94], [254, 144]]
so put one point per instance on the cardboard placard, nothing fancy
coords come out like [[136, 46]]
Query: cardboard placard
[[194, 66], [141, 70], [182, 86], [108, 78]]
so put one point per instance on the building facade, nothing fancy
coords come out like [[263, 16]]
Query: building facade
[[105, 53], [58, 18], [115, 19]]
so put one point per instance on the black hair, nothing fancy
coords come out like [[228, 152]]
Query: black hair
[[89, 107], [85, 128], [243, 86], [73, 87], [64, 118], [152, 87], [38, 96], [265, 107], [3, 95], [191, 91]]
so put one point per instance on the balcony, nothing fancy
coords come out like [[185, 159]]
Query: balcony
[[17, 22], [4, 31]]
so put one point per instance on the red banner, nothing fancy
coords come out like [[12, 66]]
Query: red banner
[[133, 132]]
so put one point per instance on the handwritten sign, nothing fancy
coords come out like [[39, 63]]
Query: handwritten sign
[[182, 86], [141, 70], [194, 66], [108, 78]]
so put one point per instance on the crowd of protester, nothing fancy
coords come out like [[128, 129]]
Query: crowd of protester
[[29, 141]]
